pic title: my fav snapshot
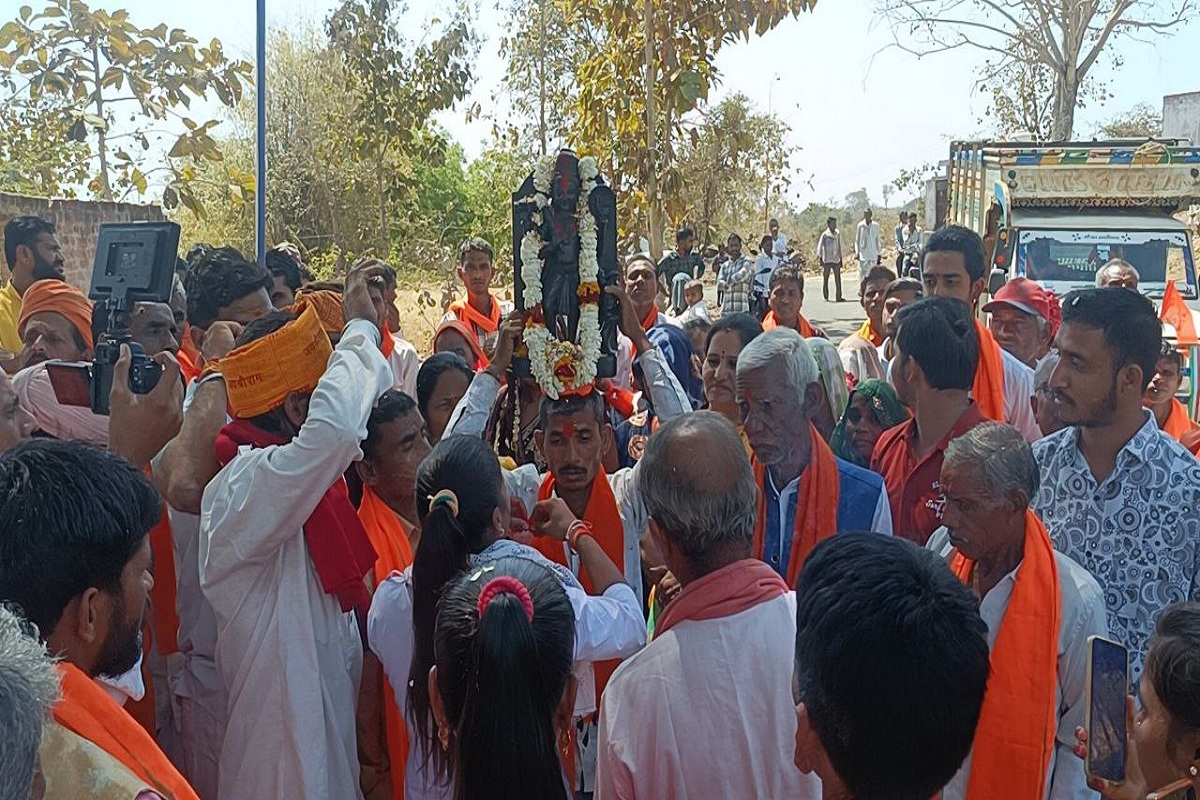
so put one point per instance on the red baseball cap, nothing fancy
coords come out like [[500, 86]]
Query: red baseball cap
[[1022, 294]]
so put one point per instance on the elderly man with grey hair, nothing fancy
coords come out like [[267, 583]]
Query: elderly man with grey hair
[[1040, 607], [704, 710], [28, 690], [1118, 272], [1043, 396], [806, 493]]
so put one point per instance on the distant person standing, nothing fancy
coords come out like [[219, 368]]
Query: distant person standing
[[867, 245], [829, 254], [681, 265], [779, 241], [764, 268], [734, 279], [909, 238], [897, 238]]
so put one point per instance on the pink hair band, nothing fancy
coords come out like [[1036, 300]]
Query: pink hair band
[[505, 584]]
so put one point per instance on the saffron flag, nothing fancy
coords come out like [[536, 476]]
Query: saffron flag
[[1176, 312]]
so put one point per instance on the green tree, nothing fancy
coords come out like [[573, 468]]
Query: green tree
[[38, 156], [1141, 121], [97, 64], [649, 64], [397, 85], [725, 167]]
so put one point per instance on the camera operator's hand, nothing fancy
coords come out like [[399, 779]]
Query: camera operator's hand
[[363, 297], [139, 425], [219, 340], [628, 322], [509, 339]]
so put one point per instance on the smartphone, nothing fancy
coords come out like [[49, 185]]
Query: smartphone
[[1107, 688], [72, 382]]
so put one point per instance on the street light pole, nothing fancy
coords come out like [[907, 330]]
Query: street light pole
[[260, 156]]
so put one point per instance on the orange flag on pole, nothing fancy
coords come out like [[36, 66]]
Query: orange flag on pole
[[1176, 312]]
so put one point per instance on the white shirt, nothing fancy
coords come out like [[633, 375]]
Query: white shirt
[[866, 241], [1082, 615], [1018, 389], [670, 401], [698, 310], [288, 655], [404, 363], [606, 626], [779, 245], [706, 711], [829, 247]]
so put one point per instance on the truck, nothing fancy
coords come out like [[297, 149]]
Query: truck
[[1057, 212]]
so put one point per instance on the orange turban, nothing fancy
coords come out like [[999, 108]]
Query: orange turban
[[61, 298], [259, 376], [327, 304]]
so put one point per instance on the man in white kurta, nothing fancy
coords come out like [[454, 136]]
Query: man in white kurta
[[288, 656], [706, 709]]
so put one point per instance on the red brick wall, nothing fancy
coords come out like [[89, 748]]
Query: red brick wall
[[78, 223]]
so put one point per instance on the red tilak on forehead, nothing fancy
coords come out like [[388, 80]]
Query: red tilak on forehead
[[565, 426]]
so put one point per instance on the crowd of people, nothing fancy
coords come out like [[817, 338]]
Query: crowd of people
[[752, 564]]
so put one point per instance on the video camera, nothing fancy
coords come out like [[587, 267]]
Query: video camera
[[135, 262]]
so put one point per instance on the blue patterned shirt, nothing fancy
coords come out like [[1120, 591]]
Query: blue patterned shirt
[[1137, 533]]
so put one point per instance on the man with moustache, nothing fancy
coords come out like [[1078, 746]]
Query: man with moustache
[[33, 253], [1117, 494]]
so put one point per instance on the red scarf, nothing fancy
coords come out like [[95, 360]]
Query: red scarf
[[648, 322], [988, 390], [387, 344], [816, 506], [468, 314], [608, 530], [1015, 736], [730, 590], [338, 545], [803, 328], [88, 712]]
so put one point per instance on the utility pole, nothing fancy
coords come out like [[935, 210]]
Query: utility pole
[[655, 237]]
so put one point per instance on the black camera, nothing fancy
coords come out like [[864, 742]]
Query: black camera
[[135, 262]]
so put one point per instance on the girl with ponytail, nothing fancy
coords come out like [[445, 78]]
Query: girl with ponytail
[[465, 519], [501, 687]]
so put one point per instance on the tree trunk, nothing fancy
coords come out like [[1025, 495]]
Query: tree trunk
[[652, 198], [1064, 112], [542, 75], [102, 139]]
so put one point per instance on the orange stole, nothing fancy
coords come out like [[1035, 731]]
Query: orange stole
[[1178, 422], [770, 321], [609, 531], [468, 314], [1015, 737], [87, 711], [816, 506], [868, 332], [389, 537], [988, 389]]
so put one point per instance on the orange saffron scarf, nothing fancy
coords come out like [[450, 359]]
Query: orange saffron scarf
[[988, 390], [91, 714], [1178, 422], [1015, 737], [867, 331], [468, 314], [803, 328], [816, 506], [609, 531], [389, 535]]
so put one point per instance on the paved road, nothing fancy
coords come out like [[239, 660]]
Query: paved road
[[838, 319]]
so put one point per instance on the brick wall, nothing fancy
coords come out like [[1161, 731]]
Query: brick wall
[[78, 223]]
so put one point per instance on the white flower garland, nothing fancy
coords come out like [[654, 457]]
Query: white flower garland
[[548, 356]]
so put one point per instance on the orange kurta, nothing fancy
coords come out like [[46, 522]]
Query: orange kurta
[[1015, 737], [90, 713]]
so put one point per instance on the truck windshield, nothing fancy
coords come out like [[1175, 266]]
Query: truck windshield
[[1074, 256]]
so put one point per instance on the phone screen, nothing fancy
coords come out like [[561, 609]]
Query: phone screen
[[71, 381], [1108, 686]]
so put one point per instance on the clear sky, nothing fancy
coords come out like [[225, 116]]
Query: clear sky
[[859, 112]]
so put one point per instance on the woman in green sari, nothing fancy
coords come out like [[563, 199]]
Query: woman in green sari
[[873, 408]]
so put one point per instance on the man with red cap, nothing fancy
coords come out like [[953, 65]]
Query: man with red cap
[[1022, 320]]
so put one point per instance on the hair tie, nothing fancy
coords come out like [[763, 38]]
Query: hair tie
[[505, 584], [445, 498]]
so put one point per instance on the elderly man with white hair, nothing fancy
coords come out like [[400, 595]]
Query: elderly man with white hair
[[1040, 608], [1118, 272], [28, 690], [806, 493], [664, 730]]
